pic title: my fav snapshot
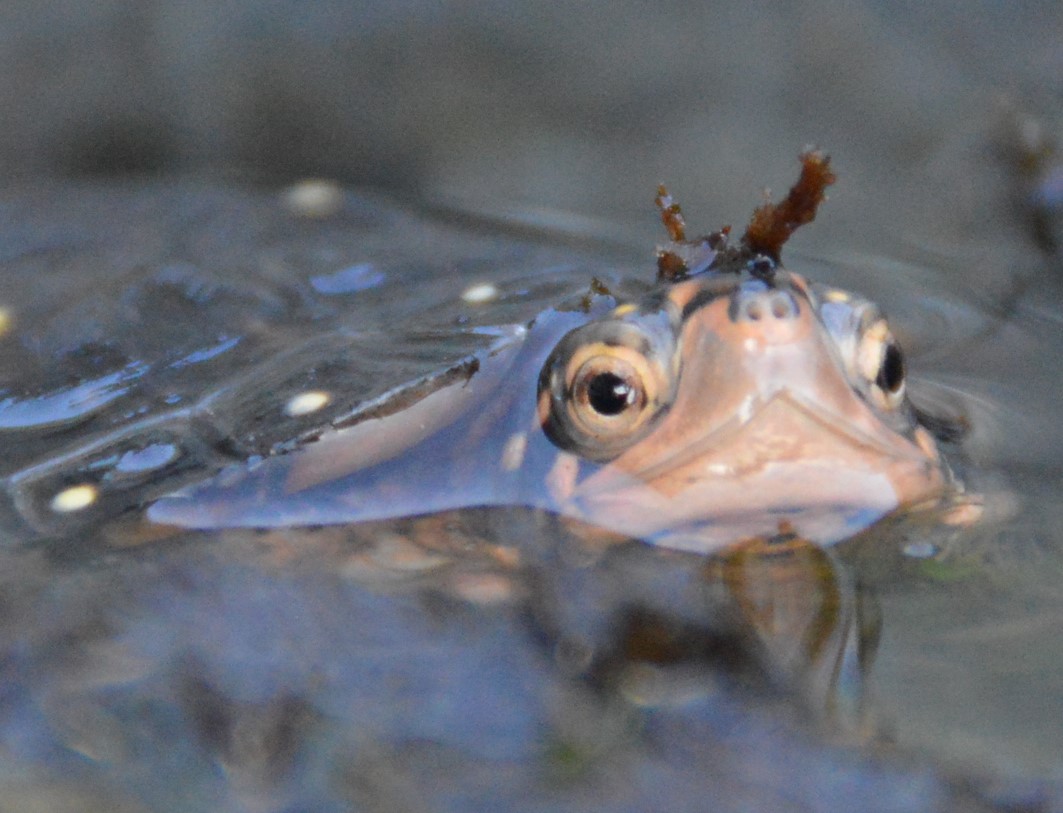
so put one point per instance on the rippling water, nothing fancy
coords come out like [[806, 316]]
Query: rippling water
[[154, 333], [490, 655]]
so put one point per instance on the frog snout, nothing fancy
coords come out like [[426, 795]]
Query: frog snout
[[763, 306]]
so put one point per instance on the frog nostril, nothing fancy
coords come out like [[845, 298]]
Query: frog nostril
[[753, 307], [783, 305]]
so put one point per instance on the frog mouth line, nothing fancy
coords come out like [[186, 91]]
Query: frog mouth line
[[822, 503], [838, 428], [787, 460]]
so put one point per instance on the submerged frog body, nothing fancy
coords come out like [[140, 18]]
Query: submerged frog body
[[733, 398]]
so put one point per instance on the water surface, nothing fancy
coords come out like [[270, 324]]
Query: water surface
[[491, 655]]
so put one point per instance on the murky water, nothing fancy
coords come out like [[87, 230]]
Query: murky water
[[154, 333], [485, 656]]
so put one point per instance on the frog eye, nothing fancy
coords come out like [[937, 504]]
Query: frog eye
[[880, 361], [599, 397], [609, 389]]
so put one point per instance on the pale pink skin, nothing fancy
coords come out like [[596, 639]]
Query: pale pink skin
[[765, 427]]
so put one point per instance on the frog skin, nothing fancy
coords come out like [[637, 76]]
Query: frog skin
[[734, 398]]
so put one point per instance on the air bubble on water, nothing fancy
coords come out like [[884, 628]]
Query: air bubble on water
[[314, 198], [75, 498], [477, 294], [306, 403]]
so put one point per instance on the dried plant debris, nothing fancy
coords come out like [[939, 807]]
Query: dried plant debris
[[769, 228], [681, 257], [1037, 163], [772, 224]]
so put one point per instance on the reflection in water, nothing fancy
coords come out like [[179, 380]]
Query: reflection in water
[[817, 630], [219, 660], [344, 668], [69, 404]]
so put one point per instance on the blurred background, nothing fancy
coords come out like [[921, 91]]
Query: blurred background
[[579, 107]]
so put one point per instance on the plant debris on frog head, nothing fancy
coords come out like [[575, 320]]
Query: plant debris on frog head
[[769, 228]]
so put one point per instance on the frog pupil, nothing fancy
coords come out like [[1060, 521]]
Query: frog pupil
[[609, 394], [891, 372]]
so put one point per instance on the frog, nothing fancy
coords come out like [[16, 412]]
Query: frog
[[312, 583], [732, 399]]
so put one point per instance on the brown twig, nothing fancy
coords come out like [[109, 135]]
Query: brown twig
[[772, 223]]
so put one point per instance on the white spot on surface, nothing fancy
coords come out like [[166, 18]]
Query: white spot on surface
[[836, 296], [314, 198], [476, 294], [75, 498], [745, 411], [306, 403], [513, 451]]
